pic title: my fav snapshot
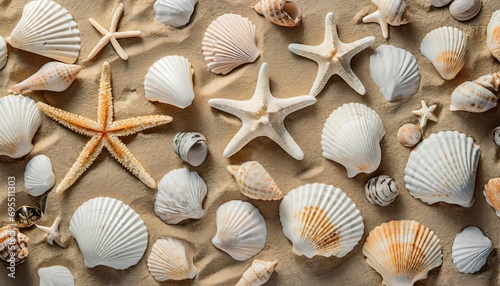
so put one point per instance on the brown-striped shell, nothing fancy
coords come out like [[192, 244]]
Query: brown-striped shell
[[255, 182], [13, 245], [280, 12], [492, 194], [258, 273]]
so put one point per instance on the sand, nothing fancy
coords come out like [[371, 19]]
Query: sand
[[290, 76]]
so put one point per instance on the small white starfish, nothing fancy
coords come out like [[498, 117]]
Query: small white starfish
[[112, 35], [263, 115], [425, 113], [52, 233], [333, 57]]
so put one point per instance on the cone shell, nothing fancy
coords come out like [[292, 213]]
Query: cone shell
[[172, 259], [56, 276], [175, 13], [464, 10], [191, 147], [492, 194], [439, 3], [13, 241], [255, 182], [409, 134], [476, 96], [470, 250], [39, 176], [258, 273], [403, 252], [381, 190], [280, 12], [493, 35], [391, 12], [4, 53]]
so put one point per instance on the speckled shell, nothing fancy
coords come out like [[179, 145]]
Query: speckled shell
[[172, 259], [255, 182], [391, 12], [258, 273], [175, 13], [26, 216], [409, 135], [12, 240], [4, 53], [39, 176], [470, 250], [464, 10], [191, 147], [280, 12], [492, 194], [493, 35], [476, 96], [381, 190], [439, 3], [56, 276]]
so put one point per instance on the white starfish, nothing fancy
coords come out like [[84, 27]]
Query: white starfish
[[425, 113], [333, 57], [112, 35], [52, 233], [263, 115]]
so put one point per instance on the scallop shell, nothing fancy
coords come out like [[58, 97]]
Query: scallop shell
[[191, 147], [13, 245], [180, 196], [351, 137], [381, 190], [391, 12], [4, 53], [175, 13], [493, 35], [47, 29], [39, 176], [26, 216], [19, 121], [56, 276], [258, 273], [241, 230], [470, 250], [443, 169], [403, 252], [395, 71], [255, 182], [321, 220], [464, 10], [492, 194], [109, 233], [172, 259], [445, 48], [229, 42], [409, 134], [476, 96], [439, 3], [280, 12]]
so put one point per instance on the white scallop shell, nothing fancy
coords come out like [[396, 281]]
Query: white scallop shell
[[443, 169], [445, 48], [409, 135], [439, 3], [470, 250], [258, 273], [280, 12], [464, 10], [492, 194], [391, 12], [4, 53], [172, 259], [56, 276], [39, 176], [191, 147], [175, 13], [229, 42], [170, 80], [109, 233], [241, 230], [493, 35], [180, 196], [395, 71], [476, 96], [321, 220], [381, 190], [255, 182], [48, 29], [19, 121], [351, 137]]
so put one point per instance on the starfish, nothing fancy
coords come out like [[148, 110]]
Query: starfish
[[333, 57], [263, 115], [425, 113], [112, 35], [52, 233], [104, 133]]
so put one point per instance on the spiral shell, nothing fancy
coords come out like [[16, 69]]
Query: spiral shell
[[464, 10], [492, 194], [409, 134], [493, 35], [13, 245], [280, 12], [381, 190], [391, 12], [476, 96], [191, 147], [255, 182], [258, 273]]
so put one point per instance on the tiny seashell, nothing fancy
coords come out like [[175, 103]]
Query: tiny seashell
[[464, 10], [470, 250], [4, 53], [439, 3], [409, 135], [13, 245], [26, 216], [258, 273], [476, 96], [191, 147], [493, 35], [39, 176], [175, 13], [391, 12], [56, 276], [255, 182], [496, 135], [172, 259], [492, 194], [381, 190], [280, 12]]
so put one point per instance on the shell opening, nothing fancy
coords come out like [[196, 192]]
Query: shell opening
[[292, 10]]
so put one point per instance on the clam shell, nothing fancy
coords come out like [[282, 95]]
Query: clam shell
[[409, 134], [492, 194], [13, 245], [26, 216], [56, 276], [320, 220], [280, 12], [476, 96], [464, 10], [439, 3], [255, 182], [391, 12], [4, 53], [381, 190], [172, 259], [175, 13], [39, 176], [493, 35], [258, 273], [191, 147], [470, 250]]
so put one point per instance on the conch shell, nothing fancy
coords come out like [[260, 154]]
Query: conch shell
[[391, 12], [280, 12], [476, 96]]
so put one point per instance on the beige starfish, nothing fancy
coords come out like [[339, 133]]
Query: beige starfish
[[104, 133], [52, 233], [425, 113]]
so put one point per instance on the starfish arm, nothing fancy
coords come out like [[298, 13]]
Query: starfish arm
[[240, 139], [98, 27], [331, 35], [72, 121], [433, 117], [116, 18], [347, 74], [262, 88], [376, 17], [310, 52], [292, 104], [356, 47], [119, 50], [127, 34], [286, 142], [235, 107], [324, 74], [134, 125], [105, 105], [100, 45]]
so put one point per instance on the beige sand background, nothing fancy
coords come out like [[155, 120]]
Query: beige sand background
[[290, 76]]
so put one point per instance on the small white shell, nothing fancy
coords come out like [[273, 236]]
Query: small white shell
[[492, 194], [476, 96], [241, 230], [280, 12], [175, 13], [470, 250], [172, 259], [258, 273], [4, 53], [391, 12], [170, 80], [39, 176], [493, 35], [439, 3], [381, 190], [464, 10], [191, 147], [56, 276], [409, 134], [255, 182]]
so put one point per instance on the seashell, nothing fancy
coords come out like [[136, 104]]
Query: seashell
[[395, 71], [191, 147], [170, 80], [47, 29], [496, 135], [109, 233], [241, 230], [258, 273], [172, 259], [255, 182], [443, 169], [280, 12], [53, 76], [321, 220], [56, 276], [19, 121], [493, 35], [391, 12], [27, 216], [39, 176], [228, 43], [439, 3], [476, 96], [381, 190], [445, 48], [470, 250], [351, 137], [175, 13], [180, 196], [403, 252], [464, 10], [13, 245], [492, 194], [4, 53], [409, 134]]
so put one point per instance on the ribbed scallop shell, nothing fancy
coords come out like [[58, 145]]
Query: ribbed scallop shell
[[4, 53], [403, 252], [321, 220], [381, 190], [19, 121], [56, 276], [180, 196], [476, 96], [172, 259], [170, 80], [258, 273], [470, 250], [395, 71], [280, 12], [464, 10], [13, 241], [492, 194], [351, 137], [443, 169], [39, 176], [391, 12], [191, 147], [409, 135], [47, 29], [493, 35], [229, 42], [445, 48], [241, 230], [255, 182], [109, 233], [439, 3], [175, 13]]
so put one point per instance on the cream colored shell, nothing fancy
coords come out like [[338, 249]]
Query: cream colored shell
[[280, 12], [258, 274], [56, 276], [39, 176], [381, 190], [439, 3], [464, 10], [476, 96], [409, 135], [470, 250], [4, 53], [191, 147], [175, 13], [492, 194], [172, 259], [391, 12], [255, 182], [13, 245], [493, 35]]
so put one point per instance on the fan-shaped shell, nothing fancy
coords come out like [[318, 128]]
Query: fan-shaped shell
[[493, 35], [19, 121], [445, 48], [39, 176], [280, 12], [255, 182], [470, 250], [13, 245], [464, 10], [47, 29], [172, 259], [180, 196], [395, 71], [409, 134], [169, 80], [175, 13], [351, 137], [109, 233], [439, 3], [321, 220], [492, 194], [443, 169], [229, 42], [191, 147], [391, 12], [381, 190], [476, 96], [56, 276], [258, 273], [241, 230], [4, 53], [403, 252]]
